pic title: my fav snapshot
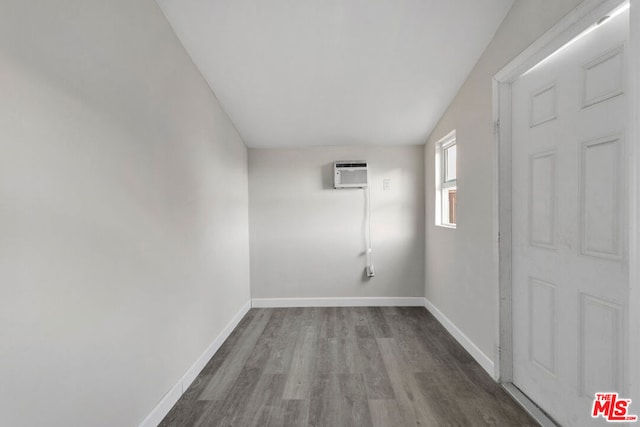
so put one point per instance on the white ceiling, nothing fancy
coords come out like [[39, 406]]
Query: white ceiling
[[334, 72]]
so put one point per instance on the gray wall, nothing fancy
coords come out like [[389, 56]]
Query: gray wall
[[307, 239], [123, 212], [461, 275]]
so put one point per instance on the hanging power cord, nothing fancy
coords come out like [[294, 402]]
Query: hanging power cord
[[369, 245]]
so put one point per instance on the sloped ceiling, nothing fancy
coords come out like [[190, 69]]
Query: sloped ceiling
[[296, 73]]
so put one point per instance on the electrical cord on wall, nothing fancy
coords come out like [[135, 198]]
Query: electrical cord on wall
[[368, 243]]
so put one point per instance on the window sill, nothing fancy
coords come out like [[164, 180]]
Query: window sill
[[446, 225]]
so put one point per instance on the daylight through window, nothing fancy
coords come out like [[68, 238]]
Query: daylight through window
[[446, 180]]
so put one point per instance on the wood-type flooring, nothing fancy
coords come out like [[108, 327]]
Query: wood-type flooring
[[343, 366]]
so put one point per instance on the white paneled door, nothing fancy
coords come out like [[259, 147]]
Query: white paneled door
[[570, 263]]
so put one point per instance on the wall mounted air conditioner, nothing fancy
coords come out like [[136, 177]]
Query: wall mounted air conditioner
[[350, 174]]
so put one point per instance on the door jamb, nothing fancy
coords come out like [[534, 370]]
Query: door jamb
[[576, 21], [633, 150]]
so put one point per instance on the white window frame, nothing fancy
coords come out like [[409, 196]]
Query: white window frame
[[442, 185]]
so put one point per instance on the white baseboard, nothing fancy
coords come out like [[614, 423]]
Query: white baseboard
[[339, 302], [172, 396], [474, 351]]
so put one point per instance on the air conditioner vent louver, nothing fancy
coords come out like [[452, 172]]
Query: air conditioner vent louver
[[351, 165], [350, 174]]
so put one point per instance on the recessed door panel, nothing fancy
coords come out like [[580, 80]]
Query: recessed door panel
[[600, 189]]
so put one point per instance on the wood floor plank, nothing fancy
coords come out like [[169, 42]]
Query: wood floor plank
[[344, 325], [378, 323], [214, 415], [185, 413], [433, 330], [375, 374], [351, 386], [259, 409], [225, 376], [324, 412], [445, 401], [324, 385], [261, 352], [359, 316], [289, 413], [309, 317], [339, 412], [234, 403], [415, 410], [295, 413], [385, 413], [344, 403], [491, 400], [389, 310], [420, 353], [348, 354], [326, 356], [327, 322], [300, 374], [354, 412], [281, 355], [348, 350], [363, 331], [441, 345]]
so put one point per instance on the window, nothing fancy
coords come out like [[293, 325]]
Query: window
[[446, 184]]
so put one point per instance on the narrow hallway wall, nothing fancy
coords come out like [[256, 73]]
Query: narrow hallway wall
[[123, 213]]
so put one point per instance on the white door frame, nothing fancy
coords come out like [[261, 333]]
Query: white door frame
[[574, 23]]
